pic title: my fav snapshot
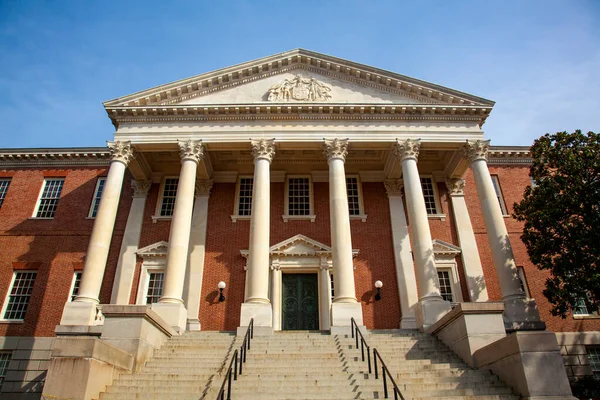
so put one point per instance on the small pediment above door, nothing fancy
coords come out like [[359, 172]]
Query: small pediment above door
[[443, 249], [158, 249], [299, 245]]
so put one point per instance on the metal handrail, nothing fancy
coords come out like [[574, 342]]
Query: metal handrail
[[363, 343], [233, 364], [385, 371]]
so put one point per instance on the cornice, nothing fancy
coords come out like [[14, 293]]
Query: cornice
[[509, 155], [88, 156]]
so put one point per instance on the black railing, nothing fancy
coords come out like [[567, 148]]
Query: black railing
[[385, 372], [238, 355]]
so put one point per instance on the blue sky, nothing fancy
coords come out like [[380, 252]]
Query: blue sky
[[59, 60]]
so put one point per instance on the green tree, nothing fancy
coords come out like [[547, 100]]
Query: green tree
[[561, 212]]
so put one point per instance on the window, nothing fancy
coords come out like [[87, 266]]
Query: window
[[155, 287], [429, 193], [245, 196], [49, 198], [19, 294], [498, 191], [75, 284], [354, 198], [593, 354], [169, 193], [581, 308], [523, 280], [444, 276], [97, 197], [4, 184], [298, 196], [4, 361]]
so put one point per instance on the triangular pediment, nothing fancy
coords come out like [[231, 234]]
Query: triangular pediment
[[299, 245], [441, 248], [303, 77], [158, 249]]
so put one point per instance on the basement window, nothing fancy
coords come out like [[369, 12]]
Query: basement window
[[5, 357]]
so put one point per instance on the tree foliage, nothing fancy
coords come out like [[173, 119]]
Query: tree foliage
[[562, 218]]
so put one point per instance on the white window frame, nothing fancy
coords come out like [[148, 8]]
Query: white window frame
[[97, 198], [6, 298], [523, 279], [75, 273], [161, 193], [311, 214], [451, 267], [3, 193], [361, 205], [436, 197], [236, 206], [499, 195], [39, 199], [594, 364], [585, 315], [149, 266]]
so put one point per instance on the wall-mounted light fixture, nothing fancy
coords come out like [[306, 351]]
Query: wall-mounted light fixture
[[378, 285], [221, 286]]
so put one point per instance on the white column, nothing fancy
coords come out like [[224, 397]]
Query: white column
[[520, 313], [170, 306], [431, 306], [276, 294], [257, 304], [123, 283], [195, 264], [325, 294], [405, 270], [466, 239], [344, 304], [82, 311]]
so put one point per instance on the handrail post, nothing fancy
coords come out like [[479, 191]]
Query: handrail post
[[385, 391], [369, 358], [229, 386], [375, 361]]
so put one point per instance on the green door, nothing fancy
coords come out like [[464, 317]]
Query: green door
[[300, 302]]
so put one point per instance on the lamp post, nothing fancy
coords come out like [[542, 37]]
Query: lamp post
[[378, 285], [221, 285]]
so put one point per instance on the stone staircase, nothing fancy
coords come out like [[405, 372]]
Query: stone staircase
[[187, 367]]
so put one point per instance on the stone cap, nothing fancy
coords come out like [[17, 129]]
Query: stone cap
[[139, 311], [466, 309], [90, 347]]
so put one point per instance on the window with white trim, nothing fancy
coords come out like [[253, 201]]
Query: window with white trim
[[354, 195], [97, 196], [581, 308], [17, 299], [75, 284], [4, 184], [593, 355], [5, 357], [523, 281], [155, 286], [167, 198], [445, 279], [499, 196], [298, 198], [244, 203], [49, 196], [430, 195]]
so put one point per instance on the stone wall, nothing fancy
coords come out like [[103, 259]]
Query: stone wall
[[573, 350], [30, 358]]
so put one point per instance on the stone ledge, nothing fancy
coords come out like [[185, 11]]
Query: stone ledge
[[78, 330], [135, 311], [92, 348], [466, 309]]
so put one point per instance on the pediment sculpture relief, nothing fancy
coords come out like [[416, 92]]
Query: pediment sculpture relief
[[300, 89]]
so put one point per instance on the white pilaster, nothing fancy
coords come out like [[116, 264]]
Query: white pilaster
[[520, 313], [123, 283], [170, 306], [466, 239], [195, 263], [257, 304], [325, 294], [276, 294], [344, 304], [82, 311], [431, 306], [405, 271]]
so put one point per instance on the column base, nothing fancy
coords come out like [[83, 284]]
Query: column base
[[79, 313], [341, 314], [174, 314], [521, 314], [429, 310], [263, 318], [193, 324], [408, 323]]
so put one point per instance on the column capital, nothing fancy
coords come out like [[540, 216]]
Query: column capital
[[140, 188], [203, 187], [407, 149], [456, 186], [476, 150], [335, 149], [120, 151], [192, 150], [394, 186], [263, 149]]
